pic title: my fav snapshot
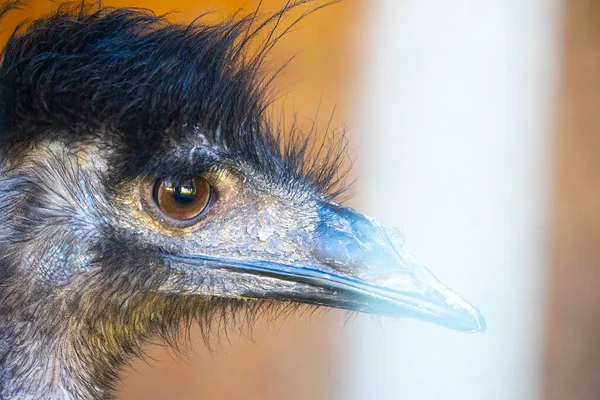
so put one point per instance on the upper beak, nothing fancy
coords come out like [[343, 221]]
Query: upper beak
[[357, 264]]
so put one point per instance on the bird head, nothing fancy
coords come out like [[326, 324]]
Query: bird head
[[141, 182]]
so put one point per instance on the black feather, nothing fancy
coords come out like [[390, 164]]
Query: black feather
[[82, 70]]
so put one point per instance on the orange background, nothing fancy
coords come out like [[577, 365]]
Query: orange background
[[295, 357], [572, 343]]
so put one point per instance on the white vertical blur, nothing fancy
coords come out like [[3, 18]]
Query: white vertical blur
[[455, 129]]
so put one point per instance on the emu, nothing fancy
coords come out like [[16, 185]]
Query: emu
[[144, 188]]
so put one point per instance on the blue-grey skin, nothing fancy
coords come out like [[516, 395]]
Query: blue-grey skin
[[91, 269]]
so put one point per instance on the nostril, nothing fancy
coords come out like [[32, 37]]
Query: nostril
[[352, 243]]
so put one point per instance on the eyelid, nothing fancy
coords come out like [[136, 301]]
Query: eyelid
[[184, 164]]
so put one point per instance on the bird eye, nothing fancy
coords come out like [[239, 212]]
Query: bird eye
[[182, 200]]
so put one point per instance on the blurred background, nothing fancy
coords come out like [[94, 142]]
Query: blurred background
[[475, 127]]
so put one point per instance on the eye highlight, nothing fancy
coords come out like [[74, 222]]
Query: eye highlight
[[182, 201]]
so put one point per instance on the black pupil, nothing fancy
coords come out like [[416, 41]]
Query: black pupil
[[183, 192]]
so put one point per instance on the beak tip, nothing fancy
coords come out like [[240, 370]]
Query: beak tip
[[475, 321], [463, 316], [456, 312], [481, 324]]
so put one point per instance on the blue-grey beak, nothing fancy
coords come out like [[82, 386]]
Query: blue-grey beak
[[386, 277], [356, 264]]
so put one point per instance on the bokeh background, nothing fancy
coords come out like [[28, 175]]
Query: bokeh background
[[475, 127]]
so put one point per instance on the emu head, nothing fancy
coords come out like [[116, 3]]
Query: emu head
[[142, 185]]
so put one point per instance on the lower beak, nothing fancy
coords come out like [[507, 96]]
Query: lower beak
[[358, 264]]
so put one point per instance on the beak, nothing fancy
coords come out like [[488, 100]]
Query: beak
[[356, 264]]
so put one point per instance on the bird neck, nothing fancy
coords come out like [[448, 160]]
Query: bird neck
[[46, 353], [37, 363]]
